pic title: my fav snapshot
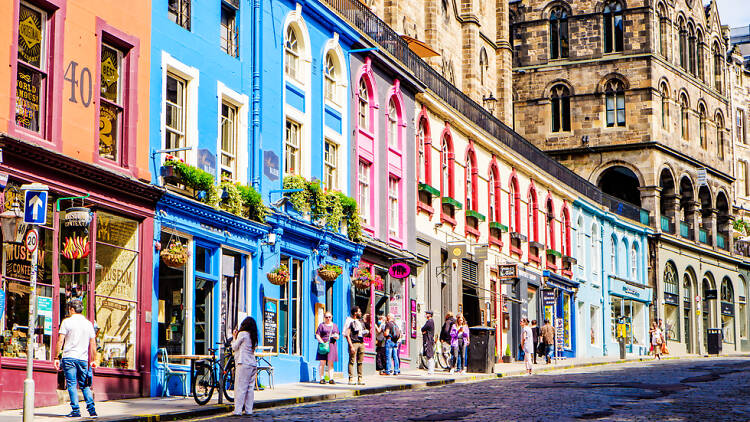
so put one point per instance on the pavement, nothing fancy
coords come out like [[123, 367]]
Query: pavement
[[174, 408]]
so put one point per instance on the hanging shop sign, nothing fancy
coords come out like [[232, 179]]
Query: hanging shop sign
[[271, 324], [712, 294], [671, 299], [399, 270], [508, 271], [548, 297], [727, 309], [76, 243]]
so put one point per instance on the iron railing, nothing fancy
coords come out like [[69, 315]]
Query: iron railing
[[371, 25], [685, 230]]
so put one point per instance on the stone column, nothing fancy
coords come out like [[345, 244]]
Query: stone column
[[650, 197], [694, 218], [714, 227], [504, 64]]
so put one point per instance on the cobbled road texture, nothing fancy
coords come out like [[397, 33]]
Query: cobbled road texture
[[716, 389]]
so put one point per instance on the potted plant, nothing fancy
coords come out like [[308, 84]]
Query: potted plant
[[169, 170], [329, 272], [279, 275], [362, 278], [506, 356], [175, 255]]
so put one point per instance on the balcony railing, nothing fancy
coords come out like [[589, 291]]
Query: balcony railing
[[367, 22], [721, 241], [666, 224], [703, 236], [685, 230]]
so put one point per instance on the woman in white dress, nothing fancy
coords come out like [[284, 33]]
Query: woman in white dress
[[244, 344]]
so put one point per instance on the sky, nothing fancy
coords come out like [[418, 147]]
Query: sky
[[734, 12]]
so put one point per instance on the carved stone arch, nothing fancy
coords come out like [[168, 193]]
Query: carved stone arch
[[597, 173], [560, 81], [547, 9], [719, 115], [614, 75], [602, 4], [682, 93], [686, 182], [702, 103], [668, 168]]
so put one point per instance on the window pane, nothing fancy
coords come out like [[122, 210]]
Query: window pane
[[618, 32], [109, 131], [116, 322], [15, 332], [564, 38], [110, 74], [554, 39], [607, 33], [555, 115], [28, 98], [565, 114], [31, 24]]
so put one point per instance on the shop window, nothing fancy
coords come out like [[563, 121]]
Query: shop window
[[229, 34], [228, 127], [671, 302], [292, 148], [727, 311], [567, 333], [233, 293], [290, 309], [202, 260], [116, 280], [178, 12], [742, 308], [171, 300]]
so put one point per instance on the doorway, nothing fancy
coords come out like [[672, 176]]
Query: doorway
[[203, 315]]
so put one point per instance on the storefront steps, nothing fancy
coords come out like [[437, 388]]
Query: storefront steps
[[174, 408]]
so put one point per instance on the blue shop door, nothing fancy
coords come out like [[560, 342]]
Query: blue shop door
[[203, 314]]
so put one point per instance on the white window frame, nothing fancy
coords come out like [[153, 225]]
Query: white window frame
[[301, 82], [298, 153], [634, 267], [191, 76], [332, 164], [241, 103]]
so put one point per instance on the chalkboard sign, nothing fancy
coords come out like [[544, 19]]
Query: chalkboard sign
[[271, 324], [508, 271]]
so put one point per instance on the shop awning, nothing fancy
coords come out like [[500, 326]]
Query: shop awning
[[557, 281], [419, 47]]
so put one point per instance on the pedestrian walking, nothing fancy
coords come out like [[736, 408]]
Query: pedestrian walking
[[380, 345], [327, 334], [535, 332], [355, 332], [445, 338], [527, 344], [392, 339], [78, 341], [428, 342], [460, 342], [244, 342], [548, 339], [657, 339]]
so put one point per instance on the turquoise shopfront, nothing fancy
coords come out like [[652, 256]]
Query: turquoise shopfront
[[629, 302]]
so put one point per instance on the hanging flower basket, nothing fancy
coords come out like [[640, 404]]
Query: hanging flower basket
[[176, 254], [362, 279], [279, 276], [329, 272]]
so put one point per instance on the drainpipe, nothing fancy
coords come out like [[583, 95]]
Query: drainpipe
[[255, 102]]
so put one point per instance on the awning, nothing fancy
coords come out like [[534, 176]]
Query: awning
[[420, 48]]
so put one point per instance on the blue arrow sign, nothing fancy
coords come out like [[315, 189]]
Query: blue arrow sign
[[35, 208]]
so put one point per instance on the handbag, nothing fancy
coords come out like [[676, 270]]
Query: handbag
[[324, 348], [664, 349]]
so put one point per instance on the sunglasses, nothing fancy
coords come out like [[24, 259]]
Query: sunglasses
[[329, 316]]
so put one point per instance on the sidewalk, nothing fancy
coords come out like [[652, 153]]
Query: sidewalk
[[172, 408]]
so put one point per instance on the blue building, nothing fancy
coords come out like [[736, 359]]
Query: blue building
[[612, 272]]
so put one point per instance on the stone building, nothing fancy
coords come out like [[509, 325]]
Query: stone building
[[633, 96]]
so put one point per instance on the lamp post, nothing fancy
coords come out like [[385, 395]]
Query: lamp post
[[10, 220], [489, 103]]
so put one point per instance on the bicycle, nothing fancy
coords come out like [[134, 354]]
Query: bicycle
[[209, 374], [442, 355]]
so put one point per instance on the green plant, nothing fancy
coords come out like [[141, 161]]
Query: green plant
[[233, 202], [330, 267], [253, 202], [350, 212], [281, 270], [741, 226], [299, 200], [192, 177]]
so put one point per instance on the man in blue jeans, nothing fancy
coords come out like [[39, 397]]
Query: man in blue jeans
[[392, 337], [78, 341]]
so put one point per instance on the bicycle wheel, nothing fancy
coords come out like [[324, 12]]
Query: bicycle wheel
[[228, 378], [203, 383], [423, 361], [441, 357]]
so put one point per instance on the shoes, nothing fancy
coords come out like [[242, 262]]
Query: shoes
[[322, 380], [73, 415], [93, 415], [332, 382], [351, 382], [360, 382]]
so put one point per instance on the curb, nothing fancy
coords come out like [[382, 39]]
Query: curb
[[212, 410]]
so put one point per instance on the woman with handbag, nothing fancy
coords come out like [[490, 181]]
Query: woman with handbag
[[657, 340], [327, 334]]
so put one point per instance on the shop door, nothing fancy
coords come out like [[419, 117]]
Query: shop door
[[231, 268], [705, 311], [470, 296], [203, 315], [171, 296]]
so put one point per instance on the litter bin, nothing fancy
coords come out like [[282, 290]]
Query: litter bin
[[481, 350], [714, 341]]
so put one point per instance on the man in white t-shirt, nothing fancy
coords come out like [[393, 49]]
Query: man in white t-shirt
[[355, 333], [78, 342], [527, 343]]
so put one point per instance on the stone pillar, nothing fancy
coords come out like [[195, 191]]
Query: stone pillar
[[712, 227], [470, 82], [504, 64], [693, 218], [650, 200]]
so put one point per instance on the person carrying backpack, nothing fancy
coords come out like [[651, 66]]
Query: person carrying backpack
[[392, 337], [445, 338]]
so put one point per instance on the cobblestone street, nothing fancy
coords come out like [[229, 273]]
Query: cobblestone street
[[681, 390]]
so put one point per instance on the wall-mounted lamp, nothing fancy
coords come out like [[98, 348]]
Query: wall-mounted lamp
[[489, 103], [270, 239]]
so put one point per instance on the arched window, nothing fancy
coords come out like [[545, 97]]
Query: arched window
[[550, 224], [565, 242], [663, 30], [514, 205], [727, 318], [613, 28], [718, 69], [720, 136], [533, 218], [700, 61], [684, 117], [330, 77], [558, 33], [664, 91], [691, 50], [634, 262], [363, 99], [703, 126], [596, 248], [560, 100], [446, 166], [291, 53], [580, 243], [683, 42], [423, 152], [613, 255], [393, 125], [472, 183], [614, 93], [483, 65]]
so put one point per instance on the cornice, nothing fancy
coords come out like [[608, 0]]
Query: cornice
[[209, 215]]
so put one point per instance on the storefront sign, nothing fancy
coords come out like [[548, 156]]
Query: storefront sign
[[399, 270], [18, 262], [508, 271], [271, 324], [44, 311], [621, 288], [671, 299], [413, 316], [712, 294], [630, 291], [559, 334], [727, 309], [548, 297]]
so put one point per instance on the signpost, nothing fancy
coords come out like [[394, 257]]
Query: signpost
[[34, 214]]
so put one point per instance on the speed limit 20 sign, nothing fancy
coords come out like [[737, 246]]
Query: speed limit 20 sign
[[31, 241]]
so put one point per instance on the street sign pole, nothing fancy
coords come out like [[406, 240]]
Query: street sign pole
[[35, 213]]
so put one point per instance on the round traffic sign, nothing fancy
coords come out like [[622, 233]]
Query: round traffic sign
[[31, 241]]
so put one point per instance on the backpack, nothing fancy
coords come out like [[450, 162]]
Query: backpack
[[395, 332]]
